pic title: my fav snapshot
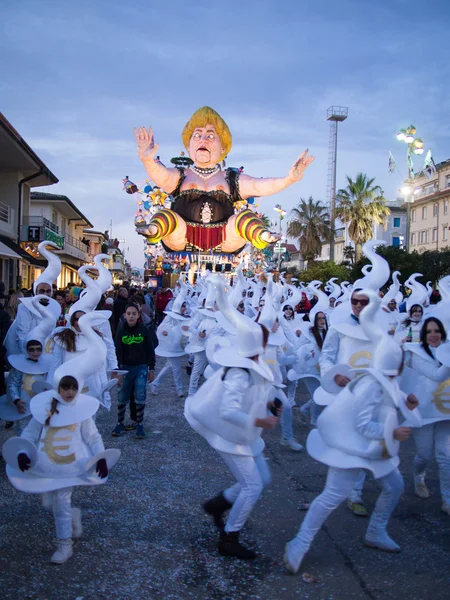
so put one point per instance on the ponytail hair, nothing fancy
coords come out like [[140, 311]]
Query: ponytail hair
[[53, 410]]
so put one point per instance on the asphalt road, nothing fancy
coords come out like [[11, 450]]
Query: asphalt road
[[147, 537]]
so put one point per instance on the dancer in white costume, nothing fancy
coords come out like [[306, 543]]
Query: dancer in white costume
[[408, 329], [427, 373], [28, 317], [230, 410], [27, 369], [360, 430], [268, 318], [170, 337], [347, 344], [38, 463]]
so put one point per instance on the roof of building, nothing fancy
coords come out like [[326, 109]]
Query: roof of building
[[291, 248], [18, 152], [43, 196]]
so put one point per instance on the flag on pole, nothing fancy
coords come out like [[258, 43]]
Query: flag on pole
[[392, 163], [429, 166]]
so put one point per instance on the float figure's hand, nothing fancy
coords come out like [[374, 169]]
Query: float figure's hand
[[300, 166], [146, 146]]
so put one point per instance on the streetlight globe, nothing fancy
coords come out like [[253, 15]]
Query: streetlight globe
[[405, 190], [418, 150], [412, 129], [409, 138], [401, 135]]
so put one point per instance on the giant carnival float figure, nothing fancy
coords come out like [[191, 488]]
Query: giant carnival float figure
[[209, 209]]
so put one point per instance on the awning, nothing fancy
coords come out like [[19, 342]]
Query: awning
[[7, 252], [20, 253]]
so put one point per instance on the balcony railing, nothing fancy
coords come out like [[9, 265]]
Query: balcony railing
[[40, 222], [77, 243]]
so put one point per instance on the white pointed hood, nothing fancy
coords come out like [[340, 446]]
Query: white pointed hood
[[380, 271], [387, 354], [53, 268], [104, 280], [419, 293], [89, 297]]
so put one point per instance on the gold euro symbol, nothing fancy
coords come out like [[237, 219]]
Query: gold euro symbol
[[50, 448], [441, 397], [354, 360], [27, 383]]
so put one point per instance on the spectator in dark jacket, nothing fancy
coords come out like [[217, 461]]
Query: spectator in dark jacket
[[119, 307], [135, 354]]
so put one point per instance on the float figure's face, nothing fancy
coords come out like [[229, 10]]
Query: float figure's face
[[205, 147]]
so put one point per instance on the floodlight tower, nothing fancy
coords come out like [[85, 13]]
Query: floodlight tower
[[334, 115]]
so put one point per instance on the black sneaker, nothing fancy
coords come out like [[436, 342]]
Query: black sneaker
[[9, 424], [189, 368], [131, 426], [119, 429], [140, 433]]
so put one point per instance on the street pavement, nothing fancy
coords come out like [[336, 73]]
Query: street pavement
[[147, 537]]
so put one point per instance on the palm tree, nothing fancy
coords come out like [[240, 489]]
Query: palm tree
[[349, 253], [310, 224], [266, 221], [361, 205]]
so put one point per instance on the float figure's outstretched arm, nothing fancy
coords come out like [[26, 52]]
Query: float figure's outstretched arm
[[253, 186]]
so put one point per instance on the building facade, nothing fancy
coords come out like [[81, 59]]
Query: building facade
[[395, 232], [20, 171], [55, 217], [430, 213]]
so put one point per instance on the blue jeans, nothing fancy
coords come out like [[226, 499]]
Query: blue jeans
[[136, 380]]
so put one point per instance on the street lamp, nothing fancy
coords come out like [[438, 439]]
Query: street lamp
[[282, 213], [414, 146]]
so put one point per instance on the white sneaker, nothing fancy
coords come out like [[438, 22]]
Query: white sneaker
[[77, 527], [152, 389], [381, 541], [63, 552], [292, 561], [421, 489], [292, 444]]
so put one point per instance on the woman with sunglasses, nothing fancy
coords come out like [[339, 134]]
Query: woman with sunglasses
[[427, 376], [347, 344], [409, 329]]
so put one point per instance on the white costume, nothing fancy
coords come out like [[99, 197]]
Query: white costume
[[429, 380], [170, 336], [63, 447], [357, 431], [224, 411]]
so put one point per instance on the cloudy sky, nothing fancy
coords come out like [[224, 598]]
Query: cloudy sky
[[77, 76]]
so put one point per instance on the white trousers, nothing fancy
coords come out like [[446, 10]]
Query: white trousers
[[339, 484], [59, 502], [200, 362], [172, 363], [428, 438], [252, 475]]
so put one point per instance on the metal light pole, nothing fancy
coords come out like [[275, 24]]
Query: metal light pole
[[414, 146], [334, 114]]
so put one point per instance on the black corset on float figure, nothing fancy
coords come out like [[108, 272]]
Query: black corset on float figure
[[206, 213]]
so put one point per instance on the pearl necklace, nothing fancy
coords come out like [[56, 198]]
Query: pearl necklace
[[205, 173]]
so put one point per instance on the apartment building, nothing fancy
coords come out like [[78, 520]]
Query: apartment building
[[430, 215], [20, 171]]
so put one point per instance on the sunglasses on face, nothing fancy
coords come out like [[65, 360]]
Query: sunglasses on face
[[363, 302]]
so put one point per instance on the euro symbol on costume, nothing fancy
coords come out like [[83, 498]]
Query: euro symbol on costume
[[441, 397], [355, 358], [51, 450]]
